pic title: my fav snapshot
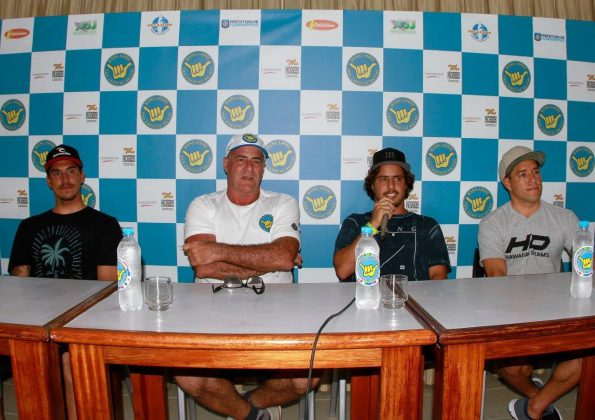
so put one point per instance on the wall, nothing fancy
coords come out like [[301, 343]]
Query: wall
[[291, 71]]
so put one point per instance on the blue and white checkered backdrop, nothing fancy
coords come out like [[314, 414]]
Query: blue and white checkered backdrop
[[150, 100]]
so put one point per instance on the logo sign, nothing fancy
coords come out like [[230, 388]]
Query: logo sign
[[403, 25], [478, 202], [368, 270], [583, 261], [167, 201], [230, 23], [322, 25], [516, 76], [581, 161], [479, 32], [16, 33], [156, 112], [197, 67], [538, 36], [40, 152], [550, 120], [237, 111], [266, 222], [490, 117], [124, 275], [196, 156], [282, 156], [441, 158], [362, 69], [85, 27], [88, 196], [319, 202], [12, 114], [402, 114], [119, 69], [160, 25]]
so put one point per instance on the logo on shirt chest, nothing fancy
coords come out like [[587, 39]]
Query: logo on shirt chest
[[531, 244], [266, 222]]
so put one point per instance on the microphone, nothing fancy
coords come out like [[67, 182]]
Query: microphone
[[383, 226]]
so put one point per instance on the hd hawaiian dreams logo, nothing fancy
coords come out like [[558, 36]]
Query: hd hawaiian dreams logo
[[119, 69], [478, 202], [40, 152], [197, 67], [319, 202], [441, 158], [402, 114], [266, 222], [516, 76], [156, 112], [550, 120], [581, 161], [88, 196], [196, 156], [282, 156], [362, 69], [12, 114], [237, 112]]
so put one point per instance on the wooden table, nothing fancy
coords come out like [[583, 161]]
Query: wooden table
[[493, 318], [29, 308], [237, 329]]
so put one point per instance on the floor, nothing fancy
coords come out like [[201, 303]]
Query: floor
[[496, 402]]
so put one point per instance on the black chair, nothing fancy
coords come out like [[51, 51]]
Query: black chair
[[478, 270]]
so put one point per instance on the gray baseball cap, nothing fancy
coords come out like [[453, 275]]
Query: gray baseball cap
[[515, 156]]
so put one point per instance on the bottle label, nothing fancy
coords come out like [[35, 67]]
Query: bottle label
[[582, 262], [123, 274], [368, 270]]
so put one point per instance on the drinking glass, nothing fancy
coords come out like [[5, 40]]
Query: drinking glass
[[158, 293]]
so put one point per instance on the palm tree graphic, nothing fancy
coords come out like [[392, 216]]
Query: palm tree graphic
[[52, 256]]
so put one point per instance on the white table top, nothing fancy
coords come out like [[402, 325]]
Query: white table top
[[481, 302], [38, 301], [282, 309]]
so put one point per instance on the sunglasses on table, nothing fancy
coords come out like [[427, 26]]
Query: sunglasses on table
[[232, 282]]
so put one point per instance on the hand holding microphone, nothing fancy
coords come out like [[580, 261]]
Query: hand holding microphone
[[383, 226]]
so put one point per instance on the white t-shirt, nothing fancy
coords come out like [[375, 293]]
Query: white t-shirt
[[272, 216], [530, 245]]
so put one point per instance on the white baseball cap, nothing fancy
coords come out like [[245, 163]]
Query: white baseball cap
[[241, 140]]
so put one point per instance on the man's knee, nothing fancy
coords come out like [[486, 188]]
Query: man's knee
[[193, 384], [300, 385], [568, 370], [515, 370]]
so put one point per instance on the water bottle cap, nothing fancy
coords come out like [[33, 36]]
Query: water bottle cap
[[128, 231], [367, 230], [583, 224]]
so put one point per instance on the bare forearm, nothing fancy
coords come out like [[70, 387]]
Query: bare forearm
[[276, 256], [220, 270], [344, 260], [21, 271]]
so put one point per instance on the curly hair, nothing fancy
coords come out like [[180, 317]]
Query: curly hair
[[371, 177]]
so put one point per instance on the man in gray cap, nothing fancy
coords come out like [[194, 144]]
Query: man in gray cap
[[241, 232], [528, 236], [410, 243]]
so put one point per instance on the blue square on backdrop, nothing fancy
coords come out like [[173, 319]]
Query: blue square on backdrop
[[281, 27], [579, 40], [550, 78], [16, 152], [46, 113], [554, 169], [118, 112], [318, 244], [467, 244], [187, 190], [403, 70], [320, 67], [158, 242], [83, 69], [516, 118], [362, 113], [124, 30], [199, 27], [480, 74], [238, 67], [363, 28], [324, 157], [354, 199], [580, 121], [222, 141], [441, 201], [515, 35], [20, 73], [442, 31], [117, 198], [197, 111], [185, 275], [276, 119], [291, 188], [8, 229], [49, 33], [479, 159], [158, 68], [88, 148], [579, 198], [503, 195], [445, 112], [41, 198], [156, 156], [411, 146]]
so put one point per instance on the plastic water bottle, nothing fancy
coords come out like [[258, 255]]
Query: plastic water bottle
[[130, 272], [367, 271], [582, 262]]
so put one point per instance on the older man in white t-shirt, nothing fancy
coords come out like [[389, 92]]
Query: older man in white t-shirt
[[243, 231]]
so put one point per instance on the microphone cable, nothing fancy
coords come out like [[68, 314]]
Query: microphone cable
[[314, 352]]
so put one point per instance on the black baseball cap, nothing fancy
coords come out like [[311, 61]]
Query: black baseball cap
[[62, 152], [390, 156]]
